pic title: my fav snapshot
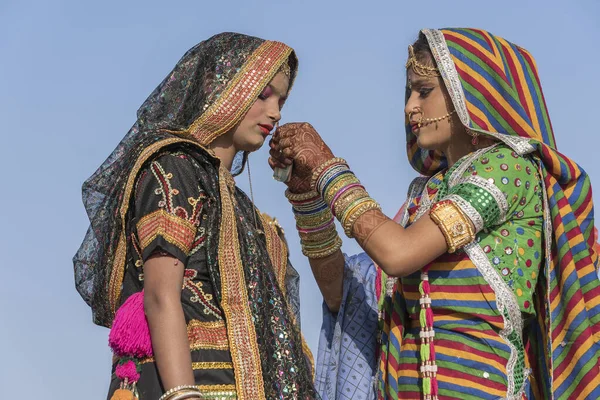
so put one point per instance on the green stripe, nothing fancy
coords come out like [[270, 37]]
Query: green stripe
[[582, 371], [542, 106], [509, 89], [488, 108]]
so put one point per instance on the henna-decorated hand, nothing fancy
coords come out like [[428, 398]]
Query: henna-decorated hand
[[298, 142]]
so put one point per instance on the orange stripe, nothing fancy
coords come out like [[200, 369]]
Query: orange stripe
[[454, 352], [457, 381], [490, 56], [569, 316], [479, 114], [593, 384], [524, 86], [496, 50], [582, 349]]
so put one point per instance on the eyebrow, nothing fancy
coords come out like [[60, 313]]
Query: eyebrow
[[419, 82], [274, 89]]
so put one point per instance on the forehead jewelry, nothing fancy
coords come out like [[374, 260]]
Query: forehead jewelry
[[418, 67]]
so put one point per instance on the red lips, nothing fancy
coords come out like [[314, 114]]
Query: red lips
[[266, 129]]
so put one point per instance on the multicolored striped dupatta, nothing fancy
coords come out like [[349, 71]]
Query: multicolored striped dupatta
[[495, 88]]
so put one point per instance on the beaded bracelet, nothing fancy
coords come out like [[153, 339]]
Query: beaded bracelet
[[315, 224], [187, 389]]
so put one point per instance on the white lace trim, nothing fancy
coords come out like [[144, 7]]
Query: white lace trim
[[507, 304]]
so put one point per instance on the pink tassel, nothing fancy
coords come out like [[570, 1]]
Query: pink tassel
[[426, 288], [431, 351], [378, 284], [127, 371], [130, 335], [434, 386], [429, 316]]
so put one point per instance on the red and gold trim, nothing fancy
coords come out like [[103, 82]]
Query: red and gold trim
[[234, 301], [174, 229], [207, 335]]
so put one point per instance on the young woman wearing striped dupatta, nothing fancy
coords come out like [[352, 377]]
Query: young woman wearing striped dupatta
[[487, 287]]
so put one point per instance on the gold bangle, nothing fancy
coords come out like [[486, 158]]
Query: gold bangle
[[324, 253], [353, 207], [322, 167], [344, 202], [169, 393], [357, 213], [301, 196], [316, 237], [347, 180], [186, 394], [314, 220], [456, 227]]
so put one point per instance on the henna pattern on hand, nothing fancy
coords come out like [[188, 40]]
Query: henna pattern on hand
[[301, 142], [328, 270]]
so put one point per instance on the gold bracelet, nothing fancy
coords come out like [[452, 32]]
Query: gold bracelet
[[301, 196], [314, 220], [186, 394], [320, 236], [169, 393], [332, 191], [324, 253], [456, 227], [355, 205], [344, 202], [322, 167], [357, 213]]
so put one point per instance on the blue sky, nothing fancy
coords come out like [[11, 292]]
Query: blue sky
[[73, 74]]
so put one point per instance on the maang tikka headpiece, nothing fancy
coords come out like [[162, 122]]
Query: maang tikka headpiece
[[285, 68], [419, 68]]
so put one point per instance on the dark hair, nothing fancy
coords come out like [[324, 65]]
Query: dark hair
[[422, 50]]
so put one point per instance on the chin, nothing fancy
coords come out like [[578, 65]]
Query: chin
[[429, 141], [253, 145]]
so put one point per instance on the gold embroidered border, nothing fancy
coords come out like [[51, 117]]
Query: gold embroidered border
[[207, 335], [174, 229], [240, 94], [217, 387], [211, 365], [277, 250], [240, 328], [218, 392], [118, 269]]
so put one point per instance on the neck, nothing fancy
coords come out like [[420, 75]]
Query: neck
[[224, 149], [456, 150], [461, 146]]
